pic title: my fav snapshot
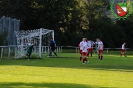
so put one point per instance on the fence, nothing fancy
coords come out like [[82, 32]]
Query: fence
[[9, 25], [10, 51]]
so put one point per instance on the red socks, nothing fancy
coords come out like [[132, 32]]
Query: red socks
[[100, 57], [85, 59], [80, 58]]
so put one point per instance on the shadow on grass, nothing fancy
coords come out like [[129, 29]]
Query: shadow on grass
[[46, 85], [68, 61]]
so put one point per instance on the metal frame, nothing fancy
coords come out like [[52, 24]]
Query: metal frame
[[40, 36]]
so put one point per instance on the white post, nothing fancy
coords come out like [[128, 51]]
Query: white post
[[1, 52], [107, 51], [21, 47], [53, 34], [76, 50], [42, 49], [45, 49], [40, 43], [9, 51], [61, 48], [15, 51], [48, 50]]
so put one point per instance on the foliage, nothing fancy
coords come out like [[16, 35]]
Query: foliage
[[71, 19]]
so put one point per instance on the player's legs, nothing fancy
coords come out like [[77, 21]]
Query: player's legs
[[29, 54], [53, 50], [122, 52], [91, 51], [96, 50], [84, 54], [100, 54], [80, 55], [50, 52]]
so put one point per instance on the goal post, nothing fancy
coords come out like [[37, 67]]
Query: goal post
[[24, 37], [40, 43]]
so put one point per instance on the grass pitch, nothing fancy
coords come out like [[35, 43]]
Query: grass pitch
[[67, 71]]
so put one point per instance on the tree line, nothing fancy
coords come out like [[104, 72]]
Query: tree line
[[71, 20]]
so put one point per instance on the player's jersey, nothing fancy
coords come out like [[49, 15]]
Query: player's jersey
[[89, 44], [52, 44], [29, 47], [123, 47], [85, 47], [100, 45], [96, 44], [81, 45], [92, 43]]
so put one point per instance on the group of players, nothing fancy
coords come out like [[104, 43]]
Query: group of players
[[86, 47]]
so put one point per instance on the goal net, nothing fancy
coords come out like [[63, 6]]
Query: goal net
[[40, 36]]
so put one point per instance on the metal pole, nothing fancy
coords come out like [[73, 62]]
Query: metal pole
[[1, 52], [9, 51], [107, 51], [40, 43]]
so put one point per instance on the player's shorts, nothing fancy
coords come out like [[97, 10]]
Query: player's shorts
[[122, 50], [100, 51], [28, 53], [84, 53], [80, 51], [89, 49], [52, 49]]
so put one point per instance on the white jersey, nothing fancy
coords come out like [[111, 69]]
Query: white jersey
[[85, 47], [81, 45], [100, 45], [89, 44], [123, 47], [92, 43]]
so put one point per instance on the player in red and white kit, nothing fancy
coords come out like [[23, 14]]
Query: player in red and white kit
[[123, 49], [84, 51], [100, 49], [81, 48]]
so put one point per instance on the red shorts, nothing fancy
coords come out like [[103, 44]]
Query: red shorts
[[80, 51], [84, 53], [100, 51], [122, 50], [89, 49]]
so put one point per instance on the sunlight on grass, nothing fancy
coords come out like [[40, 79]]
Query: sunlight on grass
[[40, 74]]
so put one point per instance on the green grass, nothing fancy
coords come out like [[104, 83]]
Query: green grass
[[67, 71]]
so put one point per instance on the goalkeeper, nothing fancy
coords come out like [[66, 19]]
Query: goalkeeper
[[96, 46], [29, 49]]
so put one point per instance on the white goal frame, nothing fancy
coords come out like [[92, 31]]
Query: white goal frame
[[24, 37]]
